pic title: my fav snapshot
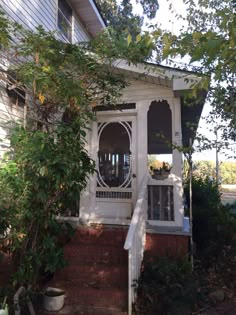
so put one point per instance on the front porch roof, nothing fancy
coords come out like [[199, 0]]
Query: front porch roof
[[177, 79], [180, 81]]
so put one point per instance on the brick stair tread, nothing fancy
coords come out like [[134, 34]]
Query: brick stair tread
[[95, 252], [88, 296], [96, 278], [98, 273], [84, 310], [113, 237]]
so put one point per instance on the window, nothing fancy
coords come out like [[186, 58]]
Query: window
[[64, 21], [161, 203], [16, 94]]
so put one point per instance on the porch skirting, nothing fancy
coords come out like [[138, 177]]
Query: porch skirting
[[160, 244]]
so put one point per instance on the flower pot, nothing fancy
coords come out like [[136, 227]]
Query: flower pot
[[4, 311], [160, 176], [53, 299]]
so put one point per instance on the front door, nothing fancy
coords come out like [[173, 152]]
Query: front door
[[116, 169]]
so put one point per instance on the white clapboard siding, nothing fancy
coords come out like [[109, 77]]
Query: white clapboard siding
[[139, 91], [32, 13], [80, 35]]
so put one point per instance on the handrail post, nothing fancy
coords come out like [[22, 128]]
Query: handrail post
[[135, 241]]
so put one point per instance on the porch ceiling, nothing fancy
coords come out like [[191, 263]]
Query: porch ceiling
[[89, 16]]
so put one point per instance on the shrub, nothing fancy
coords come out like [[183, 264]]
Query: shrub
[[213, 224], [167, 286], [47, 171]]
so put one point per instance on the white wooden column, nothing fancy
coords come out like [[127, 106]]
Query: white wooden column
[[177, 161], [142, 144], [88, 196]]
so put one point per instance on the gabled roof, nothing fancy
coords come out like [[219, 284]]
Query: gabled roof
[[89, 16], [177, 79]]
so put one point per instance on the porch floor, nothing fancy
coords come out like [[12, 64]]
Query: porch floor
[[172, 230]]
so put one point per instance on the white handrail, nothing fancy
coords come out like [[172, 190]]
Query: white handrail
[[136, 214], [135, 241]]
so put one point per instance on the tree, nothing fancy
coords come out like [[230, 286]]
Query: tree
[[210, 41], [126, 27], [120, 16], [47, 165]]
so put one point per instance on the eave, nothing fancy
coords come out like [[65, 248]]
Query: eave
[[89, 16], [180, 81]]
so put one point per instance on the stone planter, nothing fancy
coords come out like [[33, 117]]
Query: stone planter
[[53, 299]]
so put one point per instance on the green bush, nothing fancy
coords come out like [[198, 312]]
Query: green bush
[[213, 224], [47, 172], [167, 286]]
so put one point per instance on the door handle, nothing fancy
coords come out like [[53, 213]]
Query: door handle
[[134, 175]]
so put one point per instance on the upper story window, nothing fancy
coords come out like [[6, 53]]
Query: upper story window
[[64, 21]]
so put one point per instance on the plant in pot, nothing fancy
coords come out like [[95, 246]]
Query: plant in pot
[[4, 307], [162, 172]]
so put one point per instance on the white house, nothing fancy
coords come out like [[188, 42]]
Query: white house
[[123, 193]]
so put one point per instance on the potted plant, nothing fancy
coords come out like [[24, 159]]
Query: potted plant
[[53, 299], [162, 172], [4, 307]]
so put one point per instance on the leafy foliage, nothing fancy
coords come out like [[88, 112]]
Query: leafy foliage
[[48, 166], [47, 173], [209, 40], [167, 286], [207, 169], [120, 16], [213, 225], [125, 28]]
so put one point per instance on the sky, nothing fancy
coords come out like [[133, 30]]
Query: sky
[[167, 20]]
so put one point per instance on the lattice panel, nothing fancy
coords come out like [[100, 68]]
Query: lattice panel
[[161, 203], [114, 194]]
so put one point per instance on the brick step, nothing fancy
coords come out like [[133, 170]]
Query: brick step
[[109, 297], [96, 278], [99, 274], [85, 310], [114, 237], [95, 253]]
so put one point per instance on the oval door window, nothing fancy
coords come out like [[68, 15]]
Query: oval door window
[[114, 155]]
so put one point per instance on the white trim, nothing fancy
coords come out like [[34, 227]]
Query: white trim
[[180, 80], [114, 221], [94, 201], [117, 112], [97, 13]]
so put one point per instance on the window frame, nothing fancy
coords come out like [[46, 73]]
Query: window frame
[[65, 30]]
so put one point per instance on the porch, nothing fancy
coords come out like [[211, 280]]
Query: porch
[[125, 193], [105, 260]]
